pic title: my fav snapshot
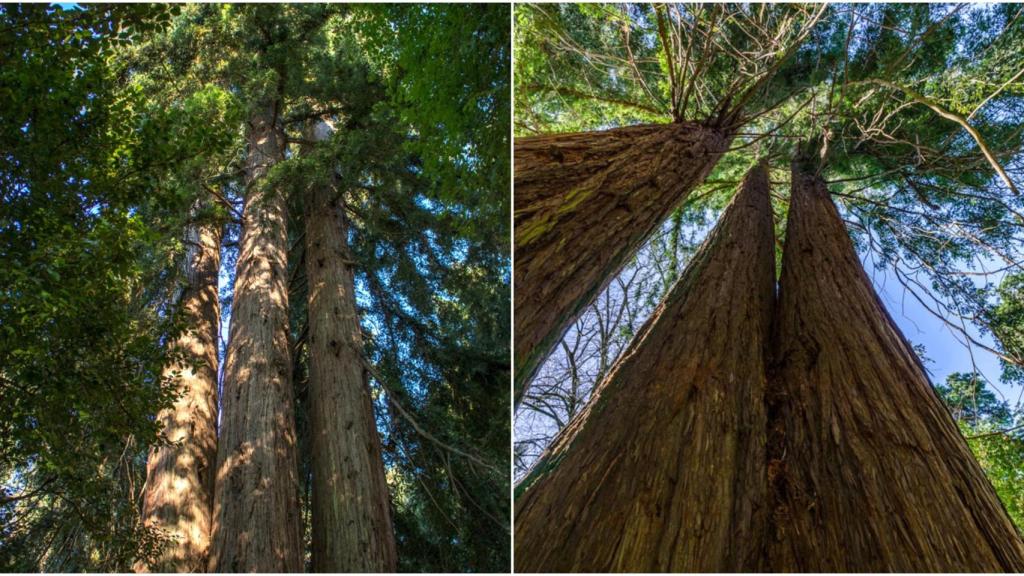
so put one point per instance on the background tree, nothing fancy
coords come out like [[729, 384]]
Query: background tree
[[994, 432]]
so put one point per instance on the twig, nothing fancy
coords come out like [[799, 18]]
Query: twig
[[959, 119], [996, 433]]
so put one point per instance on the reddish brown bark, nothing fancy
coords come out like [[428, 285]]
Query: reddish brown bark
[[350, 506], [584, 203], [664, 469], [256, 498], [867, 467], [179, 479], [548, 165]]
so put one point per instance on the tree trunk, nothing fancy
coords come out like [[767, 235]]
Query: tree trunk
[[256, 502], [552, 164], [179, 479], [664, 469], [868, 470], [351, 508], [584, 204]]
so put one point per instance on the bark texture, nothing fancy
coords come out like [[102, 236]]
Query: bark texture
[[256, 502], [867, 468], [664, 469], [179, 479], [584, 204], [351, 509]]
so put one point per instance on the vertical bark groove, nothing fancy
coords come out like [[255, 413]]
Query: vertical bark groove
[[179, 479], [664, 469], [351, 509], [256, 507], [584, 204], [868, 470]]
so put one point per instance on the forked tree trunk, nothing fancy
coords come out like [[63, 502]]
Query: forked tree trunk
[[350, 507], [179, 479], [256, 502], [584, 204], [664, 469], [868, 470]]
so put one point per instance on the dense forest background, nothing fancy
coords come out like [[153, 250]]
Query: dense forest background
[[124, 127], [916, 116]]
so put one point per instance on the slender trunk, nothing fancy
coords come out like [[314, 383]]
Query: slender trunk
[[351, 516], [866, 466], [664, 469], [584, 204], [179, 479], [256, 499]]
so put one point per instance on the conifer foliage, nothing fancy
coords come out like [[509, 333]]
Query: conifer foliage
[[254, 292]]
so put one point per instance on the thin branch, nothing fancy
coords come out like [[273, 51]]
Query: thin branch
[[416, 426], [996, 433], [567, 91], [954, 117]]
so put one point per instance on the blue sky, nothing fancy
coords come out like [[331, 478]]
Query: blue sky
[[944, 353]]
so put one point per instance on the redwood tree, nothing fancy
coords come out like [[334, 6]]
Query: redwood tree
[[179, 478], [256, 506], [350, 506], [584, 204], [867, 469], [616, 491]]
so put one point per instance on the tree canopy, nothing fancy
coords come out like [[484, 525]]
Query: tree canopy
[[115, 120]]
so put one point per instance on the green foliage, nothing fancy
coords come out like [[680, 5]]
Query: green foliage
[[455, 113], [1007, 325], [80, 347], [568, 67], [995, 433], [593, 66], [433, 242]]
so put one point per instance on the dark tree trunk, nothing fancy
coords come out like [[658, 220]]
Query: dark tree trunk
[[351, 509], [256, 498], [868, 470], [664, 469], [179, 479], [584, 204]]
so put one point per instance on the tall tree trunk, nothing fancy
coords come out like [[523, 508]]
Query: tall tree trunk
[[664, 469], [552, 164], [584, 204], [351, 509], [179, 479], [256, 502], [868, 470]]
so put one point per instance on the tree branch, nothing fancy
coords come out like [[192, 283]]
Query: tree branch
[[954, 117]]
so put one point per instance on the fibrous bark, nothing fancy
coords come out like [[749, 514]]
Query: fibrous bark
[[256, 501], [584, 204], [350, 506], [867, 469], [179, 478], [664, 469]]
